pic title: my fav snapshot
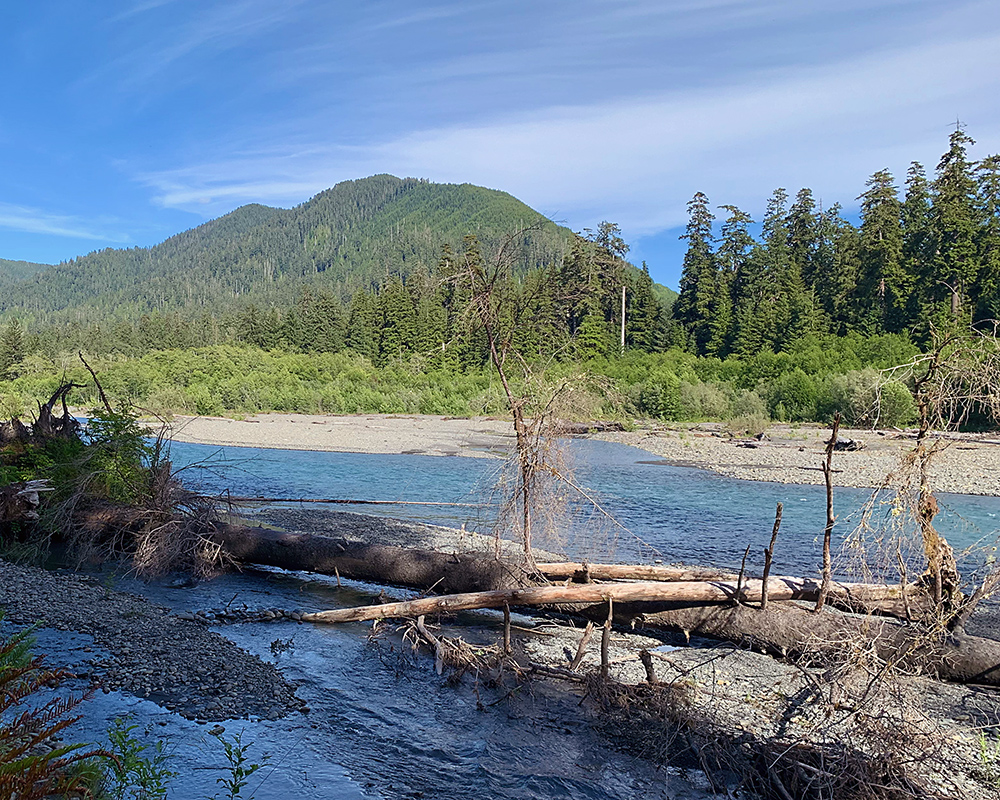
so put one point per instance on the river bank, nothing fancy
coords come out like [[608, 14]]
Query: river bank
[[792, 454], [964, 464], [379, 434], [185, 641]]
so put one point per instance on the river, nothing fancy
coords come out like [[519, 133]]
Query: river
[[667, 512], [385, 725]]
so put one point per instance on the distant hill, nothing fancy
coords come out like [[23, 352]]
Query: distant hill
[[665, 295], [343, 239], [12, 271]]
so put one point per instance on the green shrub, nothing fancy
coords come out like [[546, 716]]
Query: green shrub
[[703, 401], [748, 424], [660, 397], [792, 397], [863, 403], [898, 408], [138, 771], [747, 403], [119, 457]]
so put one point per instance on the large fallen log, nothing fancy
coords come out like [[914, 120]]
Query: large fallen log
[[400, 566], [646, 591], [791, 630], [783, 630], [862, 597], [473, 572]]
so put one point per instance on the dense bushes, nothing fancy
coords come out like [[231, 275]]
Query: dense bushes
[[821, 376]]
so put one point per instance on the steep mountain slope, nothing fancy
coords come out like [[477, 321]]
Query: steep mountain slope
[[348, 237]]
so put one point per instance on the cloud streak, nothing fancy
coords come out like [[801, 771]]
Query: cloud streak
[[23, 219], [637, 160]]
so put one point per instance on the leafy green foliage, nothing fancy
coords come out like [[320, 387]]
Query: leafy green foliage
[[119, 457], [137, 770], [53, 460], [240, 767]]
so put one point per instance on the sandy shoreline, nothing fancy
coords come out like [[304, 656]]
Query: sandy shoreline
[[969, 464], [367, 433]]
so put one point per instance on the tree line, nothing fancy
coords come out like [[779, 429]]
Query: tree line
[[569, 310], [927, 260]]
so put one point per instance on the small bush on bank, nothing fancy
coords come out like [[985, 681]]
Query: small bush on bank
[[700, 401], [792, 397]]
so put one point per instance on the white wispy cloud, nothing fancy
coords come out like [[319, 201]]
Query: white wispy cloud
[[24, 219], [638, 160], [152, 49]]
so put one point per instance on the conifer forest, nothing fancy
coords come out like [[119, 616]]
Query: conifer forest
[[344, 304]]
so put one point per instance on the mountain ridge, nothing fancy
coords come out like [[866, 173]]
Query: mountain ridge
[[345, 238]]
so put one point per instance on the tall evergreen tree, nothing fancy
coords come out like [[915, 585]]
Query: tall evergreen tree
[[397, 321], [773, 304], [918, 239], [11, 349], [836, 279], [573, 280], [645, 316], [692, 308], [362, 336], [803, 230], [883, 285], [734, 249], [988, 286], [955, 260]]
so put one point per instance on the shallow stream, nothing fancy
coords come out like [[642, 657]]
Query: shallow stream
[[384, 725]]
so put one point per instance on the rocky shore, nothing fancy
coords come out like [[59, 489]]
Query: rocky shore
[[480, 437], [964, 464], [144, 650]]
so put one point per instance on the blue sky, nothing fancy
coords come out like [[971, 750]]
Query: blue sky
[[122, 123]]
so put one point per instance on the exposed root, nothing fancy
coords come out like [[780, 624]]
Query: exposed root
[[487, 662]]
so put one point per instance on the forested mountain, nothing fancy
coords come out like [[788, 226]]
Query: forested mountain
[[362, 266], [347, 238], [926, 260], [13, 271], [791, 321]]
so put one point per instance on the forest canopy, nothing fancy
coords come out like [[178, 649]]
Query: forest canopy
[[267, 309]]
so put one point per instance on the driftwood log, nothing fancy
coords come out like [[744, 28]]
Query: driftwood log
[[700, 608], [585, 572], [400, 566], [791, 630], [48, 424], [19, 502], [700, 592]]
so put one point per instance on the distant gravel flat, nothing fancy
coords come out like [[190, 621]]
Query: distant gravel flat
[[965, 464], [372, 433]]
